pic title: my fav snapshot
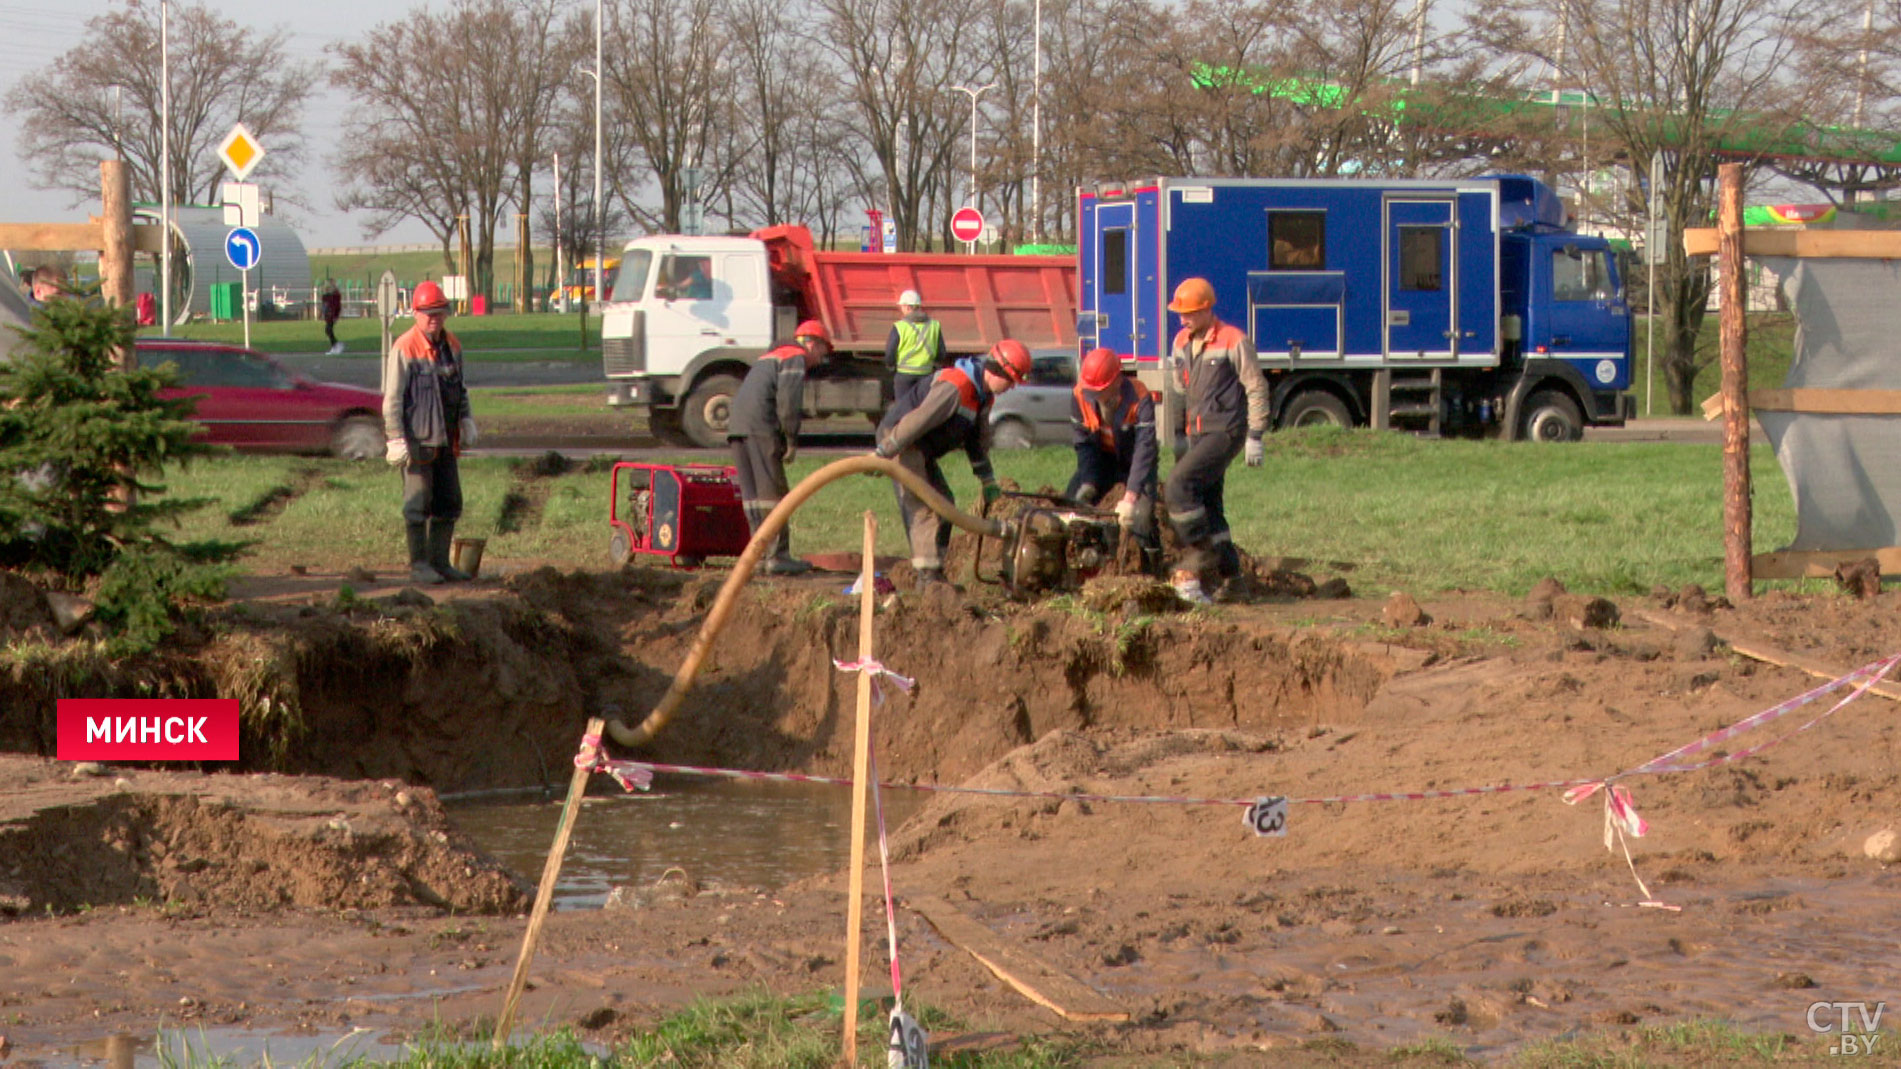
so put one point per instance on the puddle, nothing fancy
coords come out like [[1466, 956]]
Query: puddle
[[728, 832]]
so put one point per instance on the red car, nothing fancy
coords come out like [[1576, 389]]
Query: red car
[[249, 401]]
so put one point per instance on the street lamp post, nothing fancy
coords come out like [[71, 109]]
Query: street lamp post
[[600, 209], [975, 197], [165, 167], [1036, 130]]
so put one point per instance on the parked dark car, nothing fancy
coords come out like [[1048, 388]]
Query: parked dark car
[[1037, 412], [249, 401]]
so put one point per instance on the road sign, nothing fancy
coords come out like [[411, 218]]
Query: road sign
[[240, 152], [967, 224], [242, 203], [242, 249], [388, 295]]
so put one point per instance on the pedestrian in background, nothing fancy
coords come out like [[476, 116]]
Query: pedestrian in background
[[914, 350], [330, 306], [954, 413], [1224, 410], [763, 430], [427, 423], [47, 284]]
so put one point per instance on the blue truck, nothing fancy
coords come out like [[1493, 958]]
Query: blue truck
[[1450, 307]]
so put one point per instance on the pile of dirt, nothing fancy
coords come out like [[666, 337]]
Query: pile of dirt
[[81, 836]]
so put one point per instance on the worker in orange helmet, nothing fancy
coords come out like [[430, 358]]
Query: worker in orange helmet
[[1224, 410], [427, 422], [1112, 425], [763, 430], [954, 412]]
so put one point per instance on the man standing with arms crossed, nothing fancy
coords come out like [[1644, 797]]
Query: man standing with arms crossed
[[1225, 408], [763, 430]]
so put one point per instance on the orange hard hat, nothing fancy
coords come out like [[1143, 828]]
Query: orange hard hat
[[1193, 295], [1012, 360], [428, 298], [812, 328], [1101, 368]]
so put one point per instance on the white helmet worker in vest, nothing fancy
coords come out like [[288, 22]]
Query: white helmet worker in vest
[[915, 349]]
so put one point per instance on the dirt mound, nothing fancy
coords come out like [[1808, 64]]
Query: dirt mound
[[70, 840]]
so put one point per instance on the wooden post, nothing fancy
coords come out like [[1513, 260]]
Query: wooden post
[[115, 245], [860, 785], [1734, 332], [544, 895], [523, 304]]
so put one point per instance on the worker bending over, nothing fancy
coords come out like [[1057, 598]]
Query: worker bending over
[[1224, 408], [954, 412], [763, 430], [1112, 420]]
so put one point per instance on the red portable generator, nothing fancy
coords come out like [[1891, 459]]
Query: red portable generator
[[683, 512]]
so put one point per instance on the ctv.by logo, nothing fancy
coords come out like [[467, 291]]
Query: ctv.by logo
[[1860, 1026]]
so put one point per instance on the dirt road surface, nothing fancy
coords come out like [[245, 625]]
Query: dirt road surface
[[321, 887]]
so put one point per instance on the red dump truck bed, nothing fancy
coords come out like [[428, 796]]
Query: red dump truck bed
[[979, 300]]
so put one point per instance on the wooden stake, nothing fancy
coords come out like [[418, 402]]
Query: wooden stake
[[861, 776], [544, 895], [1736, 493]]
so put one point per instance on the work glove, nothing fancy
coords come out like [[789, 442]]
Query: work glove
[[397, 451], [469, 433], [1125, 511], [1256, 453], [992, 493], [791, 450]]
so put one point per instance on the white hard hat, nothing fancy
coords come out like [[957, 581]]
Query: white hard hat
[[910, 299]]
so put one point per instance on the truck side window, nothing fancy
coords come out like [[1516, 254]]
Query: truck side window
[[1115, 261], [1420, 258], [1580, 275], [1297, 241], [686, 278]]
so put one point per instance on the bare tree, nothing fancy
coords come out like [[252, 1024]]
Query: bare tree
[[434, 90], [1688, 79], [667, 89], [101, 99]]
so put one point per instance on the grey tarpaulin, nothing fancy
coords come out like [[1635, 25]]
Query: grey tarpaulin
[[1844, 470]]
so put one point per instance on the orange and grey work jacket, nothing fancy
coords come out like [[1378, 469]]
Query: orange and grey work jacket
[[1220, 381], [425, 398], [954, 412], [771, 399], [1128, 435]]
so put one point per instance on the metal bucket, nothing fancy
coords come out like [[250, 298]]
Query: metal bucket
[[465, 554]]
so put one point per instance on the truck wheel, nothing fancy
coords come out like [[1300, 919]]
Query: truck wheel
[[1316, 408], [1552, 417], [1012, 434], [706, 410], [357, 438], [620, 548]]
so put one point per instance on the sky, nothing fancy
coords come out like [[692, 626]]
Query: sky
[[33, 35]]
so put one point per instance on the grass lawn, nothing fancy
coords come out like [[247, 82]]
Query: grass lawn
[[1402, 512], [542, 336]]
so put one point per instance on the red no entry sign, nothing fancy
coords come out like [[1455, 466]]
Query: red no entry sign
[[967, 224]]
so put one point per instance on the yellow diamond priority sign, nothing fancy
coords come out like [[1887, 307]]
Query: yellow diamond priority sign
[[240, 152]]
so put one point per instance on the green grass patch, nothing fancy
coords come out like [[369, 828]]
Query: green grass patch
[[1690, 1043], [485, 339], [1426, 516]]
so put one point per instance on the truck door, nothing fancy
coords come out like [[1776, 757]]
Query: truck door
[[688, 313], [1421, 283], [1115, 276], [1588, 322]]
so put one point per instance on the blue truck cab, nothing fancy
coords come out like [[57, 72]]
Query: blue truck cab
[[1457, 306]]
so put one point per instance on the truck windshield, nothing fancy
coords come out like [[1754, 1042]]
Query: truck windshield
[[632, 282], [1581, 275]]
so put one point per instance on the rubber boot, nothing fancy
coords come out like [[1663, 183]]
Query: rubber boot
[[420, 570], [441, 537]]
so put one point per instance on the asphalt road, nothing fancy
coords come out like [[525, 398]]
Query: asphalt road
[[367, 371]]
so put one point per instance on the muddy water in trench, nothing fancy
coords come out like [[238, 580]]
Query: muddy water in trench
[[720, 832]]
